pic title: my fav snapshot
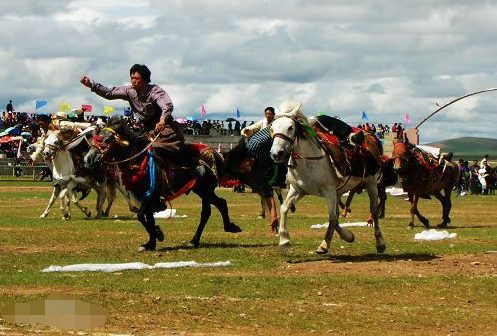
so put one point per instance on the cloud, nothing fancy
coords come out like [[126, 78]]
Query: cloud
[[387, 57]]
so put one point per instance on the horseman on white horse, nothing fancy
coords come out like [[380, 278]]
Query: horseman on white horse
[[313, 172]]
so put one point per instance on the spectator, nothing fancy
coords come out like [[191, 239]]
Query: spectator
[[256, 127], [9, 107]]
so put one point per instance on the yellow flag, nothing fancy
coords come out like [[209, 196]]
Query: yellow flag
[[64, 107], [108, 109]]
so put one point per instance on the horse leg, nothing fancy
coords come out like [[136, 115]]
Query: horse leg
[[292, 198], [222, 206], [148, 221], [75, 200], [382, 196], [332, 199], [372, 189], [415, 211], [205, 214], [346, 206], [55, 194], [110, 196], [446, 206], [126, 195], [65, 204]]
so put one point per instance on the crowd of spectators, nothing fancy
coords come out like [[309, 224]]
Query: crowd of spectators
[[478, 178]]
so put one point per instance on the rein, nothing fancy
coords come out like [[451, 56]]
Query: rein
[[122, 142], [296, 155]]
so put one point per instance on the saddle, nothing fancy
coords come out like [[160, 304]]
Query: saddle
[[353, 159], [174, 178]]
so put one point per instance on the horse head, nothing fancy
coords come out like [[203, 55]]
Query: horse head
[[285, 128], [401, 155], [107, 143], [52, 145]]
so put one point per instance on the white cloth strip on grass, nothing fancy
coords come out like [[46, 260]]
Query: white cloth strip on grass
[[396, 191], [433, 234], [168, 213], [131, 266], [325, 225]]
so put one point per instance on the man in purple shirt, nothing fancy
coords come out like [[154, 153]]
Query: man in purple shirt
[[153, 107]]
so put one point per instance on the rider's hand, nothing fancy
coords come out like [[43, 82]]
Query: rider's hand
[[160, 126], [85, 81]]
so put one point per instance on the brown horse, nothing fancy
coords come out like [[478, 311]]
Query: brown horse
[[388, 177], [421, 176]]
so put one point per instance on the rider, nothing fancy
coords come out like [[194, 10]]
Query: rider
[[251, 163], [44, 121], [256, 127], [153, 107]]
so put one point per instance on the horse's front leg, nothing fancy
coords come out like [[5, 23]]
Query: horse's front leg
[[291, 199], [415, 211], [154, 232], [55, 194], [372, 189], [332, 200]]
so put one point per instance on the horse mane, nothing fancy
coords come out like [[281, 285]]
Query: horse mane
[[119, 125], [293, 110]]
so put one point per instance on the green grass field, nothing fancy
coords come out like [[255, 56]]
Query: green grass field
[[414, 288]]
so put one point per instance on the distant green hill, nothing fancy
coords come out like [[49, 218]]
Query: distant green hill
[[469, 147]]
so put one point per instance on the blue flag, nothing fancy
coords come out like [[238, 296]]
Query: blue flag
[[40, 103], [364, 116], [237, 113]]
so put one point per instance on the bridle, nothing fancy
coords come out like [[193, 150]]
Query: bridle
[[295, 155], [118, 139]]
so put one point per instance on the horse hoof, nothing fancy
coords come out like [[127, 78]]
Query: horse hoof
[[88, 215], [442, 226], [321, 250], [233, 228], [159, 234], [410, 226], [293, 209], [192, 244], [381, 248], [348, 236], [146, 247], [261, 217], [284, 247], [43, 215]]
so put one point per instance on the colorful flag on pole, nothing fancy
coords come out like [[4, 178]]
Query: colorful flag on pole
[[40, 103], [203, 112], [407, 118], [108, 109], [238, 113], [86, 108], [364, 116], [64, 107]]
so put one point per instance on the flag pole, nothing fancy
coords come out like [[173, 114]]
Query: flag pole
[[452, 102]]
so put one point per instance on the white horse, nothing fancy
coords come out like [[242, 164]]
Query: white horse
[[67, 182], [64, 176], [312, 172]]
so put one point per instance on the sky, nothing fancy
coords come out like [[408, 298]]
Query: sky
[[386, 58]]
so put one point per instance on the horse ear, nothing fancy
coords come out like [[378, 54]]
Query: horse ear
[[296, 109]]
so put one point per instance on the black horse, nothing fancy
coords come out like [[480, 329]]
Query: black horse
[[146, 175]]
